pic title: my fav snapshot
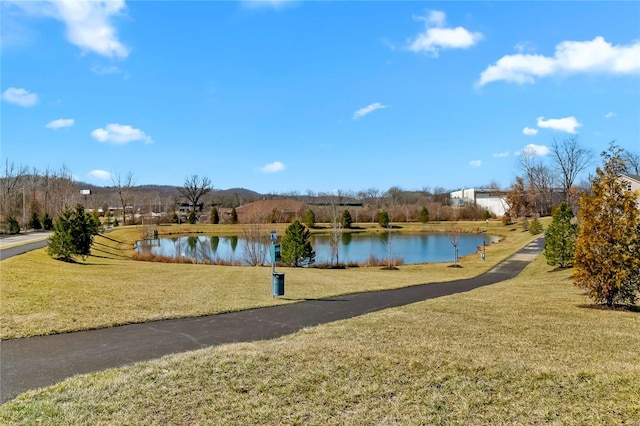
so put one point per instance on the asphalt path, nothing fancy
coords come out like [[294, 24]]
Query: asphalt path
[[23, 248], [34, 362]]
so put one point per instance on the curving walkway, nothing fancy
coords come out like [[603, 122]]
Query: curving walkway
[[35, 362]]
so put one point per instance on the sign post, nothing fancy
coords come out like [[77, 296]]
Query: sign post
[[277, 278]]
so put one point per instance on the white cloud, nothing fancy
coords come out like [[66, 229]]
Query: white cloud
[[475, 163], [100, 174], [539, 150], [567, 124], [274, 167], [501, 154], [610, 114], [367, 110], [88, 23], [21, 97], [595, 56], [529, 131], [436, 36], [60, 123], [120, 134]]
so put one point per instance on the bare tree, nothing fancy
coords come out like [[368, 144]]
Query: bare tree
[[12, 182], [124, 188], [571, 159], [632, 162], [454, 234], [194, 188], [336, 231], [256, 243]]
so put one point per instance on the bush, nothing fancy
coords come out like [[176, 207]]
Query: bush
[[47, 222], [506, 219], [560, 238], [233, 217], [12, 226], [192, 218], [296, 249], [423, 216], [309, 219], [214, 217], [383, 219], [535, 227], [345, 219], [73, 233], [34, 222]]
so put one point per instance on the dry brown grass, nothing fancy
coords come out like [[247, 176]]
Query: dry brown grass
[[40, 295], [518, 352]]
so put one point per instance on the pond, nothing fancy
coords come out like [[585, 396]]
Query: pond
[[354, 247]]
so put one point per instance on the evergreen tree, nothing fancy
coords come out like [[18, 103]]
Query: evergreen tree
[[34, 222], [296, 248], [47, 222], [607, 258], [310, 219], [383, 219], [12, 226], [214, 217], [561, 237], [73, 233], [233, 218], [108, 218], [192, 218], [345, 219], [535, 227], [423, 215]]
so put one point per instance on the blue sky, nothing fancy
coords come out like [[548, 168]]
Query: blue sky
[[280, 96]]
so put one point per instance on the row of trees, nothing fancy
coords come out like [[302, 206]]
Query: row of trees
[[541, 184], [603, 245]]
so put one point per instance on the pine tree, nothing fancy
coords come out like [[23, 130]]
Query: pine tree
[[47, 222], [214, 217], [423, 215], [233, 218], [73, 233], [296, 248], [345, 219], [383, 219], [34, 222], [310, 219], [192, 218], [560, 238], [607, 258]]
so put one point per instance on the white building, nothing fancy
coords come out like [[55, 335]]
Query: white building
[[489, 199], [632, 183]]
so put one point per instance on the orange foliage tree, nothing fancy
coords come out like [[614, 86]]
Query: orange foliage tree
[[607, 257]]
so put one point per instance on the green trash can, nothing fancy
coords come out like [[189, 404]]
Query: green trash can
[[277, 284]]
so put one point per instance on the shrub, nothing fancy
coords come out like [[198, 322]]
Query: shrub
[[296, 249], [12, 226], [73, 233], [345, 219], [214, 216], [383, 219], [560, 238], [309, 219], [535, 227], [47, 222]]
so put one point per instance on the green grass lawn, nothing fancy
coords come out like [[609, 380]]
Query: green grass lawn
[[524, 351], [40, 295]]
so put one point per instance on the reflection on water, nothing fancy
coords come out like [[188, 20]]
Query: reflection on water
[[354, 247]]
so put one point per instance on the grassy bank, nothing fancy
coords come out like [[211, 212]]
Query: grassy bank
[[518, 352], [40, 295]]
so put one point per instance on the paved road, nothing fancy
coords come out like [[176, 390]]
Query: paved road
[[35, 362], [23, 248]]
